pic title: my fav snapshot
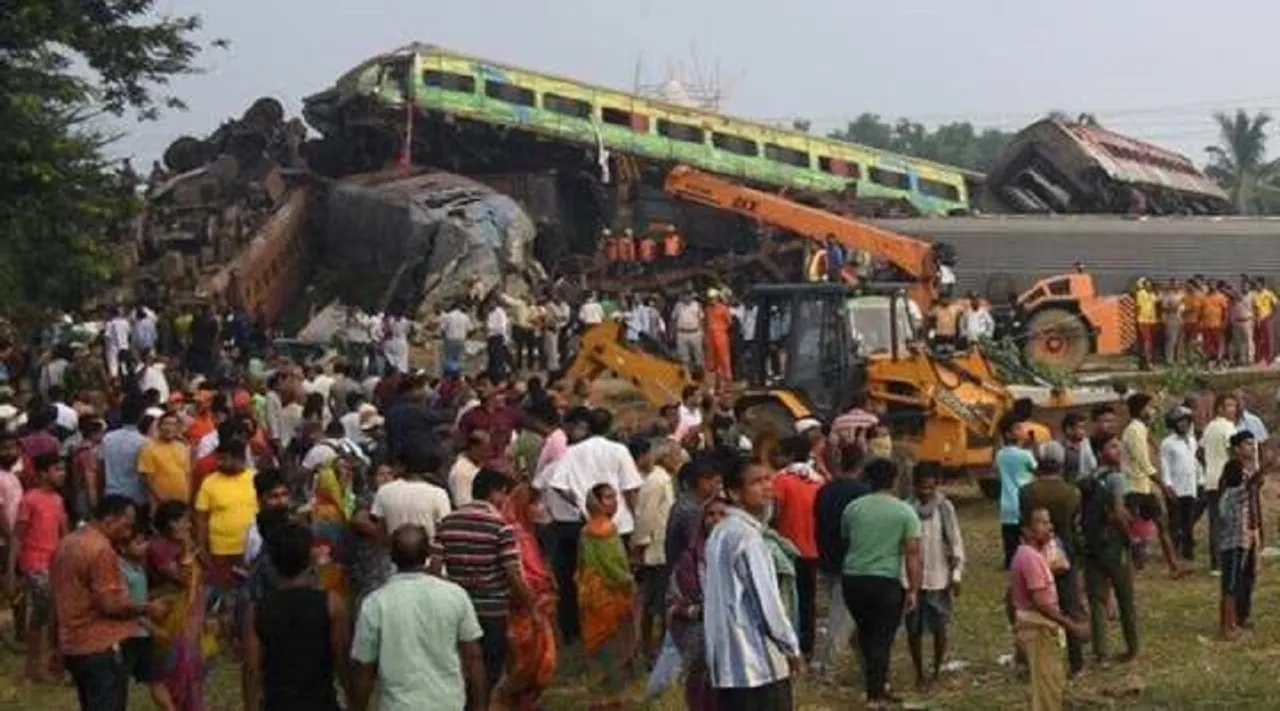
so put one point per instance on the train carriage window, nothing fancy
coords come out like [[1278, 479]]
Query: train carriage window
[[449, 81], [626, 119], [509, 93], [566, 106], [782, 154], [890, 178], [837, 166], [735, 144], [938, 189], [681, 131]]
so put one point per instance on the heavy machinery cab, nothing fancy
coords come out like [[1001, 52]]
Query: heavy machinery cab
[[816, 345], [814, 340]]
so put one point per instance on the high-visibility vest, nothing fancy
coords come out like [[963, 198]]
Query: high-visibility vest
[[611, 248], [672, 245], [648, 250]]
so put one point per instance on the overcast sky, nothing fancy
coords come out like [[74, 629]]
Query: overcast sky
[[1154, 69]]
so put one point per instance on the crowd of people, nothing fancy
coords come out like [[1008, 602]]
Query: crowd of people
[[444, 539], [1203, 319]]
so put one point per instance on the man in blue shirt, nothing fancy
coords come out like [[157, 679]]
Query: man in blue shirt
[[119, 455], [1016, 467], [752, 648]]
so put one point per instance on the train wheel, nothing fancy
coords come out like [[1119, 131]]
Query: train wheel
[[1056, 339]]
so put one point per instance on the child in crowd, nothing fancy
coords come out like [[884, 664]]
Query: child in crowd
[[138, 651], [41, 523]]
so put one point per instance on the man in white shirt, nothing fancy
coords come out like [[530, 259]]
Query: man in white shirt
[[498, 328], [411, 498], [153, 377], [557, 319], [466, 466], [455, 324], [1215, 443], [115, 338], [690, 412], [648, 545], [1181, 475], [687, 319], [591, 313], [561, 543], [976, 324], [599, 460]]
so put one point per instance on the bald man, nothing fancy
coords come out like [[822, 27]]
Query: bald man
[[416, 635]]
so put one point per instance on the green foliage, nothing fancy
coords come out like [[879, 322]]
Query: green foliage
[[64, 67], [1239, 162], [958, 144]]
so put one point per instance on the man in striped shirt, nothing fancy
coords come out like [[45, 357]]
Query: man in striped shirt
[[853, 427], [752, 649], [477, 548]]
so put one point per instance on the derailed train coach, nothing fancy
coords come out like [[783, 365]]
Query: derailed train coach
[[1059, 166]]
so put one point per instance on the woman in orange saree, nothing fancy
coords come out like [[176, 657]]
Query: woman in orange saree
[[531, 632], [606, 595]]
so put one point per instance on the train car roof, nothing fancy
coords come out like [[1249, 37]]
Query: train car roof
[[421, 47]]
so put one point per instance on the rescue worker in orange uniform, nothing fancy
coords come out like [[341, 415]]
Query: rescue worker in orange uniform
[[1214, 323], [609, 247], [672, 244], [647, 251], [627, 246], [719, 324]]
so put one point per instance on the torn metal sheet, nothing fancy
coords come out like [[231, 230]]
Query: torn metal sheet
[[440, 235]]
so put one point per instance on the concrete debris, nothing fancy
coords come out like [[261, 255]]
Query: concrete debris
[[433, 237]]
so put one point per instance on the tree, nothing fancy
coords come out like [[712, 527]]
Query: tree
[[1239, 161], [64, 67], [957, 144]]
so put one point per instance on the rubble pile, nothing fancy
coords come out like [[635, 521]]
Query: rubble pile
[[207, 199]]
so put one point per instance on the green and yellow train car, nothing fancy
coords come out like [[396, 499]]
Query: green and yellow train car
[[452, 84]]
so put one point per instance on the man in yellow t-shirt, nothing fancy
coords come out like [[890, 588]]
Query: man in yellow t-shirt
[[165, 464], [1264, 310], [1148, 317], [225, 508]]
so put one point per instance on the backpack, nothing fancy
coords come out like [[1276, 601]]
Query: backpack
[[1095, 512]]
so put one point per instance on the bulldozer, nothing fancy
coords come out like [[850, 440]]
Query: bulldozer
[[814, 346]]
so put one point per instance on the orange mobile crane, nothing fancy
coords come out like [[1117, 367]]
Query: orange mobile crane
[[1063, 318], [914, 258]]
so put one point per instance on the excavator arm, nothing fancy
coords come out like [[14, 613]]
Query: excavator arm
[[912, 256], [601, 349]]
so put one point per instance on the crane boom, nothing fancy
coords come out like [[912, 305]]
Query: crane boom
[[912, 256]]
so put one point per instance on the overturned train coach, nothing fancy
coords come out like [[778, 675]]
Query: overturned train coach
[[1057, 166]]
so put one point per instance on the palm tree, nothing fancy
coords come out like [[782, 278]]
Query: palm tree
[[1239, 162]]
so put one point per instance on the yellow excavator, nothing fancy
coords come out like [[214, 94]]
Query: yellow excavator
[[812, 348]]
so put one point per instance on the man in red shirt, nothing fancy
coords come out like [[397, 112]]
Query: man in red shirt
[[42, 522], [497, 417], [795, 491]]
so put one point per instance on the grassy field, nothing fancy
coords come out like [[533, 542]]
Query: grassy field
[[1181, 666]]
